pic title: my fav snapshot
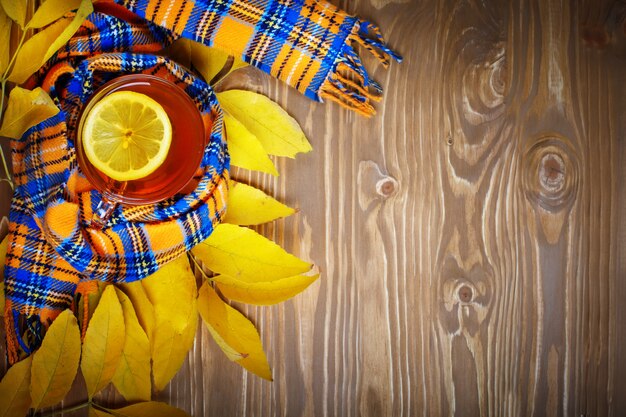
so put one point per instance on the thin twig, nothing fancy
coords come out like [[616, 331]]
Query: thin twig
[[67, 410]]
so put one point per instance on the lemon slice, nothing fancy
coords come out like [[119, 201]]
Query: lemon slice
[[127, 135]]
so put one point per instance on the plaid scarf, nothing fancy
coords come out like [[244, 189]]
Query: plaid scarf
[[53, 251]]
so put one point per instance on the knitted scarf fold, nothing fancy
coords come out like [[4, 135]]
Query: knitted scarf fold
[[53, 252]]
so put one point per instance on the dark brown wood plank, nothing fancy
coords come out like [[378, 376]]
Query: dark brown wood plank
[[471, 236]]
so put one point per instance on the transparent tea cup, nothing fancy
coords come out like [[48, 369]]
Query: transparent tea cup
[[183, 159]]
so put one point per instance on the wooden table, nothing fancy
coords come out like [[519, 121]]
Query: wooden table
[[470, 235]]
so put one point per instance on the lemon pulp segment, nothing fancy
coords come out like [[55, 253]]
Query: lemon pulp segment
[[127, 135]]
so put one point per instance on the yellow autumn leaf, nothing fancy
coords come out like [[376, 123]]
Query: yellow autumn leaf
[[16, 10], [211, 61], [14, 390], [233, 332], [26, 109], [172, 291], [170, 349], [5, 33], [245, 149], [149, 408], [51, 10], [56, 362], [279, 133], [132, 377], [142, 305], [38, 49], [250, 206], [264, 292], [104, 341], [206, 60], [244, 254]]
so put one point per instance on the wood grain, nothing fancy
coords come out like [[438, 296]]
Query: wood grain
[[471, 236]]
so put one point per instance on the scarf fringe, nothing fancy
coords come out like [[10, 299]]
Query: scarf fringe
[[349, 85]]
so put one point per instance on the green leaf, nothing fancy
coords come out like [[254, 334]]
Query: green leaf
[[14, 390], [16, 10], [104, 342], [38, 49], [245, 149], [263, 292], [56, 362], [250, 206], [279, 133], [233, 332], [26, 109], [245, 255], [5, 34], [132, 377], [50, 11], [149, 409]]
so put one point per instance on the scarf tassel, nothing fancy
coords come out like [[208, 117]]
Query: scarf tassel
[[349, 85]]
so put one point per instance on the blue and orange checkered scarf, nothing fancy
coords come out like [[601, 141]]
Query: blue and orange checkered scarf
[[53, 252]]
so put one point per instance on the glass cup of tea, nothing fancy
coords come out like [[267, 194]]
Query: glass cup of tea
[[183, 158]]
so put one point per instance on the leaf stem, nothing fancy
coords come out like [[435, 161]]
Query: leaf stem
[[6, 170], [68, 410], [19, 45], [199, 268]]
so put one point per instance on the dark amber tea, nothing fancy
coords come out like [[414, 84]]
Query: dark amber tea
[[182, 158]]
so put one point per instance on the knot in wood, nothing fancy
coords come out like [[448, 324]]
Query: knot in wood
[[465, 294], [596, 36], [552, 172], [386, 187], [550, 176]]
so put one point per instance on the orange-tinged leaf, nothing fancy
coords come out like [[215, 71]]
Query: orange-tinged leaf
[[149, 409], [132, 377], [233, 332], [56, 362], [279, 133], [142, 305], [104, 341], [264, 292], [172, 291], [245, 149], [244, 254], [16, 10], [26, 109], [250, 206], [5, 45], [50, 11], [14, 390], [38, 49]]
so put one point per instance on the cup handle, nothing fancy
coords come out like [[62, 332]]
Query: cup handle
[[102, 213]]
